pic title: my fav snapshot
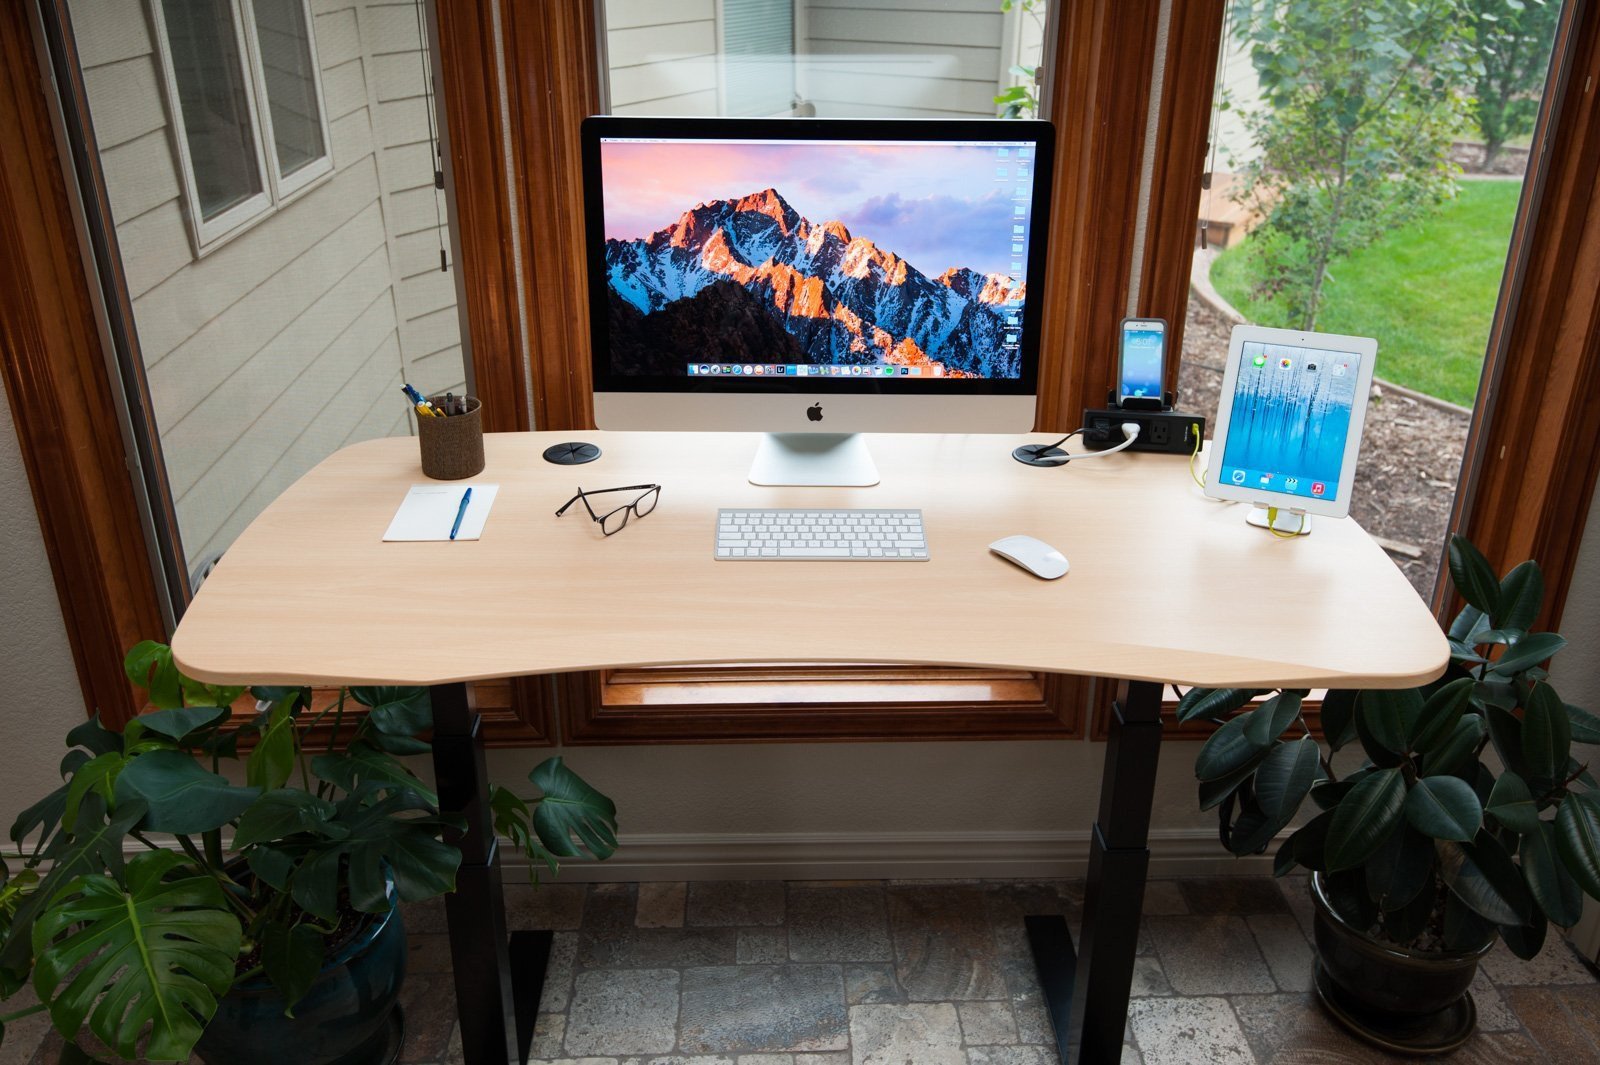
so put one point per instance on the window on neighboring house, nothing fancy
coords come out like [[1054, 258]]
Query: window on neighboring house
[[247, 107]]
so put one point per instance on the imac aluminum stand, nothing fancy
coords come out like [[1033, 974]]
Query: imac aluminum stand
[[821, 459], [1289, 522]]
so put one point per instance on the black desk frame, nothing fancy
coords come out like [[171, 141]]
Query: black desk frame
[[499, 976]]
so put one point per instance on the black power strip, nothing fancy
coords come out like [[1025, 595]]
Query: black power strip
[[1163, 431]]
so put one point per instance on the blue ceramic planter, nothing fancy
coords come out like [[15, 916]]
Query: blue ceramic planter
[[347, 1018]]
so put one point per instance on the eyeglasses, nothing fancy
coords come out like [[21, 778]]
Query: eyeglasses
[[612, 521]]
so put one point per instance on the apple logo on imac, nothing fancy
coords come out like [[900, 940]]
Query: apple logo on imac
[[814, 412]]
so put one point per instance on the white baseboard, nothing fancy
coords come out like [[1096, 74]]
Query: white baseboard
[[891, 856]]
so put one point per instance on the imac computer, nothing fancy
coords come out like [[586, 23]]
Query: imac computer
[[1289, 424], [815, 279]]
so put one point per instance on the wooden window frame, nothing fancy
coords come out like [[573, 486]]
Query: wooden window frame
[[517, 168]]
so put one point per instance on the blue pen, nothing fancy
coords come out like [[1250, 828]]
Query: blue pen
[[461, 512]]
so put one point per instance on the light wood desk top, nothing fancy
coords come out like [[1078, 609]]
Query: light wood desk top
[[1165, 585]]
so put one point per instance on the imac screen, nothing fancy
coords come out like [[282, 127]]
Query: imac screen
[[816, 258], [1290, 419]]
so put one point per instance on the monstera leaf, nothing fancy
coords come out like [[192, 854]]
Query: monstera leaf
[[141, 959], [571, 807]]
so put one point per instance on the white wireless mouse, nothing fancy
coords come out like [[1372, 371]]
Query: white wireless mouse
[[1035, 556]]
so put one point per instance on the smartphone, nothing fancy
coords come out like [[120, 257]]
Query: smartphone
[[1142, 362]]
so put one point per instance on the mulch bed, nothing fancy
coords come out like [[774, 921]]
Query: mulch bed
[[1410, 453]]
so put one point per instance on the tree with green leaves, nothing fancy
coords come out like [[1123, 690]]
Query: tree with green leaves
[[1359, 104], [1513, 40]]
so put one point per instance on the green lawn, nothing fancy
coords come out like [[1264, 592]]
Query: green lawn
[[1427, 291]]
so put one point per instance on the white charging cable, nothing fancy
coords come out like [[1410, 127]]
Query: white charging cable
[[1130, 430]]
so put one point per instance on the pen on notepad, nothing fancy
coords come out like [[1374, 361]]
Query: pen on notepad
[[461, 512]]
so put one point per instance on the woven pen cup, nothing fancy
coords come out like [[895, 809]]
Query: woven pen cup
[[452, 447]]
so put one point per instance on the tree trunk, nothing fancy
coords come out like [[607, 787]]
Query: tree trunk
[[1491, 150]]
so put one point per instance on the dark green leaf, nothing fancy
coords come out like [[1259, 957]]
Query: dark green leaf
[[1577, 833], [1440, 714], [43, 817], [143, 963], [97, 738], [182, 721], [272, 762], [1458, 749], [1311, 842], [1328, 793], [1482, 875], [1506, 732], [95, 846], [1405, 923], [1399, 869], [315, 883], [1213, 792], [1285, 778], [1391, 716], [1283, 862], [1552, 887], [1511, 804], [1496, 693], [1227, 749], [1209, 704], [1585, 726], [363, 763], [404, 746], [1473, 576], [1521, 596], [1464, 930], [1268, 721], [1526, 940], [397, 711], [182, 797], [1444, 808], [292, 957], [1338, 717], [149, 665], [273, 866], [1470, 620], [281, 813], [1546, 733], [1526, 653], [1365, 818], [570, 807]]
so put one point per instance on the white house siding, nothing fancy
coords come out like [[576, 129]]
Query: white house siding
[[903, 58], [289, 340], [662, 56]]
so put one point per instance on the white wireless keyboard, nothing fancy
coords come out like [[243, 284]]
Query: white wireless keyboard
[[821, 534]]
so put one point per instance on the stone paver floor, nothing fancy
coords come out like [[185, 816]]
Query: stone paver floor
[[934, 973]]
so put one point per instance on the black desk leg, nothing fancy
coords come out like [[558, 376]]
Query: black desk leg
[[1087, 993], [498, 978]]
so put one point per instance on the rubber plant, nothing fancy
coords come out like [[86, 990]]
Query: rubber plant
[[1420, 842], [233, 880]]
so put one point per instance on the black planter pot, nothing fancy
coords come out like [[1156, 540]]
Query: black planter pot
[[349, 1017], [1407, 1001]]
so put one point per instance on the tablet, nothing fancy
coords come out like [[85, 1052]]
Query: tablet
[[1289, 419]]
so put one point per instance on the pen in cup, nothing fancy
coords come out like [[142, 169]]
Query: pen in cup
[[461, 512]]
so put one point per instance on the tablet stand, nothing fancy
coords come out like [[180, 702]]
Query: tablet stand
[[1290, 522]]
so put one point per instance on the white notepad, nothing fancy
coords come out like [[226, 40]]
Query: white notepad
[[429, 510]]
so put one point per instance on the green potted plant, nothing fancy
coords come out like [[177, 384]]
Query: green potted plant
[[259, 922], [1422, 852]]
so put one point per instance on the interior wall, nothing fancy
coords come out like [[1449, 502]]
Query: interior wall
[[43, 699]]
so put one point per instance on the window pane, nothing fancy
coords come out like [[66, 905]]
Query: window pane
[[290, 339], [291, 88], [795, 57], [1397, 228], [212, 94]]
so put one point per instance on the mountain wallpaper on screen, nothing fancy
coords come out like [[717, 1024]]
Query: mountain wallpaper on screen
[[745, 266]]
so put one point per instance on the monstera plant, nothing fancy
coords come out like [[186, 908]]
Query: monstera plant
[[260, 873], [1420, 839]]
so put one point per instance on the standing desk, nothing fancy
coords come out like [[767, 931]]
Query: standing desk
[[1165, 586]]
